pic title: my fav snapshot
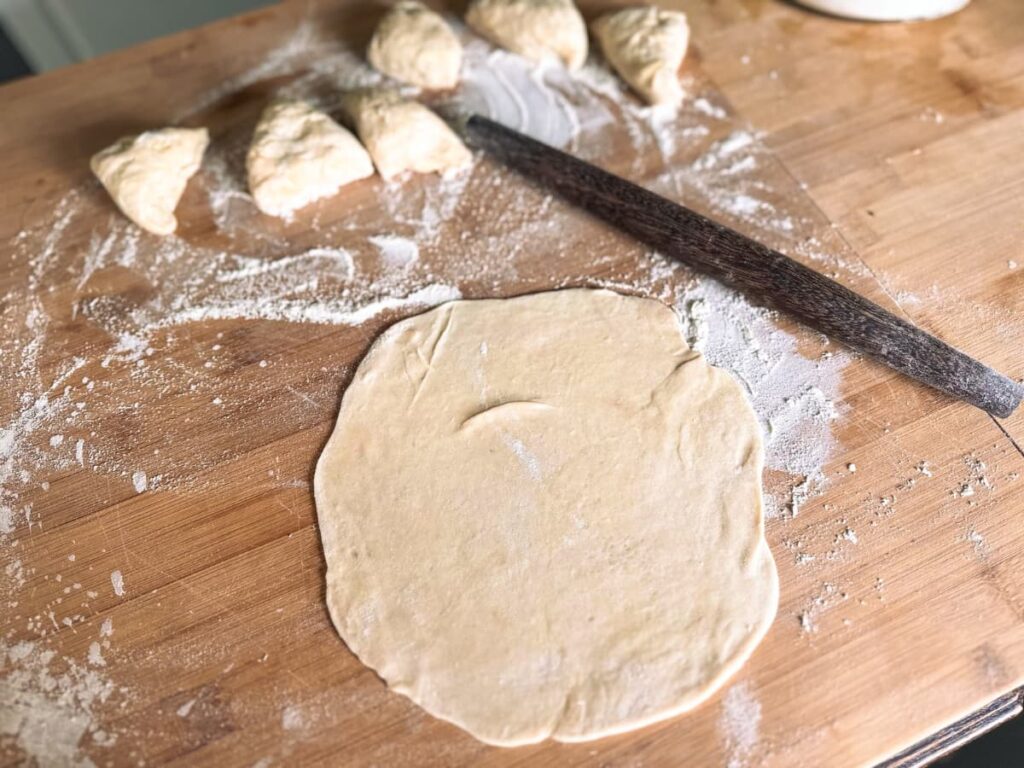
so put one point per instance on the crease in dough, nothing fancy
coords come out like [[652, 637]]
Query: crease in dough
[[568, 572], [503, 410]]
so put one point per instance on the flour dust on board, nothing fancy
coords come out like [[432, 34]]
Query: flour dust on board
[[206, 328]]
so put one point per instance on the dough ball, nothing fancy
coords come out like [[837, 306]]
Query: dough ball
[[146, 174], [646, 47], [532, 28], [415, 45], [403, 135], [542, 517], [298, 155]]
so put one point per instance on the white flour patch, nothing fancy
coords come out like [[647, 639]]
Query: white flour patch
[[117, 582], [740, 724], [794, 397], [977, 541], [528, 96], [306, 42], [828, 596], [744, 206], [95, 656], [16, 576], [397, 252], [291, 718], [705, 107], [50, 703], [319, 313], [322, 259], [526, 457]]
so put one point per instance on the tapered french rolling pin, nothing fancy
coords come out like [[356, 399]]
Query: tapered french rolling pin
[[744, 264]]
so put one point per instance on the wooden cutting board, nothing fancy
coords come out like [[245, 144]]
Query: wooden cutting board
[[163, 596]]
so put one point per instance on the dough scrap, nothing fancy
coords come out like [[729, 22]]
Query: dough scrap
[[415, 45], [298, 155], [646, 47], [403, 135], [146, 174], [542, 517], [532, 28]]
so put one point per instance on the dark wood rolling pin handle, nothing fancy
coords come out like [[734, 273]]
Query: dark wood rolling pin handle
[[742, 263]]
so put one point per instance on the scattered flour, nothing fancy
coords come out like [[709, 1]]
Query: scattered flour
[[117, 582], [977, 542], [705, 107], [323, 259], [794, 396], [396, 251], [526, 457], [740, 724], [96, 655], [50, 703], [296, 311], [291, 718], [185, 708], [532, 98], [390, 248], [306, 43], [828, 596]]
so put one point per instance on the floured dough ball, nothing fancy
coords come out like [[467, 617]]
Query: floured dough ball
[[415, 45], [646, 47], [146, 174], [298, 155], [532, 28], [403, 135]]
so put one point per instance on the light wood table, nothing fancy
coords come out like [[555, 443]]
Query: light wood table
[[908, 138]]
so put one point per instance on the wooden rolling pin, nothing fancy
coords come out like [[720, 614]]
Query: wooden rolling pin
[[744, 264]]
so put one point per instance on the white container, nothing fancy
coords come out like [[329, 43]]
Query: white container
[[887, 10]]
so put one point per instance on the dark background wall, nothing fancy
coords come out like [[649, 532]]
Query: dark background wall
[[12, 63]]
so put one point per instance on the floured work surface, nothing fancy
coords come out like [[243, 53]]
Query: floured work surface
[[168, 399]]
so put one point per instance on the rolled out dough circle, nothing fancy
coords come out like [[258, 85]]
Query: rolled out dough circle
[[542, 517]]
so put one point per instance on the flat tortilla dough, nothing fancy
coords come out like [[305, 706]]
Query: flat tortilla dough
[[542, 517]]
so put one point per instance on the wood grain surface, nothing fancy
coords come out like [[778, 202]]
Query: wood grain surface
[[768, 276], [898, 145]]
